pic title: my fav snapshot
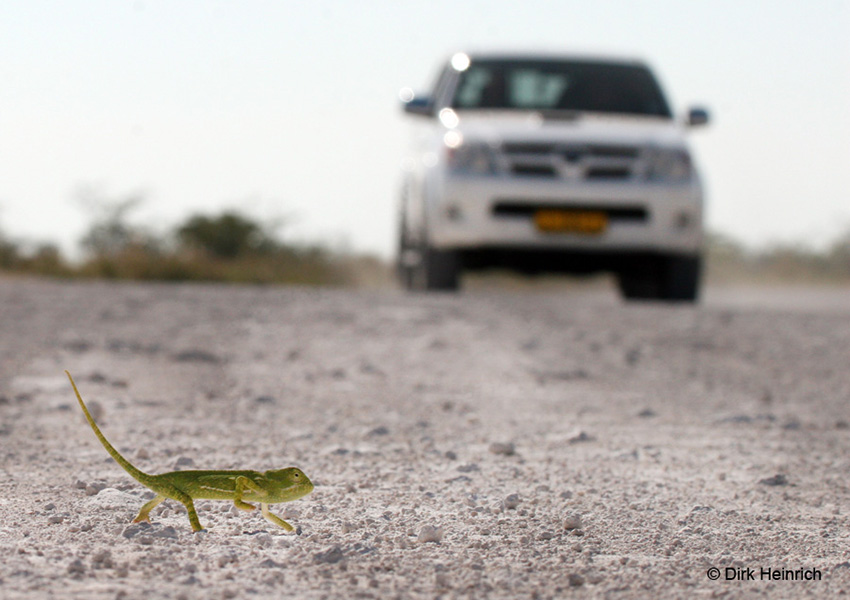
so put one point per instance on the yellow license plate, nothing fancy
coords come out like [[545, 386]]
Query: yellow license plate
[[589, 222]]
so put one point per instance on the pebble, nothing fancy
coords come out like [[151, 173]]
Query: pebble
[[76, 567], [503, 448], [95, 410], [581, 437], [102, 560], [572, 521], [93, 489], [778, 479], [332, 555], [166, 532], [429, 533], [512, 501]]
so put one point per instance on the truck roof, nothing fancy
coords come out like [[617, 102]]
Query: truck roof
[[553, 55]]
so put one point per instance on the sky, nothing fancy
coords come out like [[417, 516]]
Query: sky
[[290, 112]]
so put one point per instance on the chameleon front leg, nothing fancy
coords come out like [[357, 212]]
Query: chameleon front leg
[[144, 513], [274, 518], [242, 483]]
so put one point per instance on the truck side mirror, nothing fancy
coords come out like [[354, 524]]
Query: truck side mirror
[[416, 105], [697, 117]]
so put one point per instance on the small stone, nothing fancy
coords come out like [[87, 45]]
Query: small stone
[[55, 519], [512, 501], [226, 558], [450, 455], [572, 521], [581, 436], [184, 461], [166, 532], [142, 454], [575, 580], [76, 567], [503, 448], [330, 556], [135, 529], [468, 468], [429, 533], [93, 489], [200, 356], [778, 479], [102, 560], [95, 410]]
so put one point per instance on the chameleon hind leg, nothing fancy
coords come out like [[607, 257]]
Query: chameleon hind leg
[[186, 500], [274, 518], [144, 513]]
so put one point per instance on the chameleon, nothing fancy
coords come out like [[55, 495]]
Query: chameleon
[[269, 487]]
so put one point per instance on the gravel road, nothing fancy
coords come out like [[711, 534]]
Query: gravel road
[[503, 444]]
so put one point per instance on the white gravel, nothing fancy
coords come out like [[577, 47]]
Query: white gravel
[[492, 444]]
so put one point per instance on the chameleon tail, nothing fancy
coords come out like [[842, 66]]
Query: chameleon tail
[[138, 475]]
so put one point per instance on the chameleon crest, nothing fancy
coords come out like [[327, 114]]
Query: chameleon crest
[[242, 487]]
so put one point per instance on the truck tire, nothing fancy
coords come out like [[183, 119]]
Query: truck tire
[[681, 278], [673, 278], [439, 270]]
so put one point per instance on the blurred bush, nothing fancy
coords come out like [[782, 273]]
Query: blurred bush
[[728, 261], [226, 236], [227, 247]]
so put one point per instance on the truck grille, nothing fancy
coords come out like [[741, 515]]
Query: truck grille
[[569, 161]]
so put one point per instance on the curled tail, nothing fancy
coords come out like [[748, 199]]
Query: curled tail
[[138, 475]]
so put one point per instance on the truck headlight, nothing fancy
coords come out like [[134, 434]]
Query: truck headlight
[[668, 164], [471, 158]]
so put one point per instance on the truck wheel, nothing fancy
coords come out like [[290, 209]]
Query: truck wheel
[[439, 270], [408, 258], [639, 283], [671, 278], [681, 278]]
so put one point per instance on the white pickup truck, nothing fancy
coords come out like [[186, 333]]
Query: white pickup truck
[[542, 163]]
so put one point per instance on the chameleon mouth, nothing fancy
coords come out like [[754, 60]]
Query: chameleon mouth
[[302, 489]]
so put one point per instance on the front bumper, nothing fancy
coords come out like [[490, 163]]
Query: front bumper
[[494, 212]]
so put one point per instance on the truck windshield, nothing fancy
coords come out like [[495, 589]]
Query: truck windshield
[[556, 85]]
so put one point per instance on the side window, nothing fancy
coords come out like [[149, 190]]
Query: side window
[[473, 83]]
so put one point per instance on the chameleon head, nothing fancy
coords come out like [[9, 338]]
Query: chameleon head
[[292, 483]]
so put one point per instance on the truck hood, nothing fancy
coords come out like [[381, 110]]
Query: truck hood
[[495, 127]]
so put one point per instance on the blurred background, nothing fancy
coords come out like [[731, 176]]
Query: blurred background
[[135, 135]]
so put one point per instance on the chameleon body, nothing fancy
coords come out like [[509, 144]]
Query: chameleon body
[[242, 487]]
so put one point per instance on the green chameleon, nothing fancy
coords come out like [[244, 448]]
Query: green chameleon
[[271, 487]]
